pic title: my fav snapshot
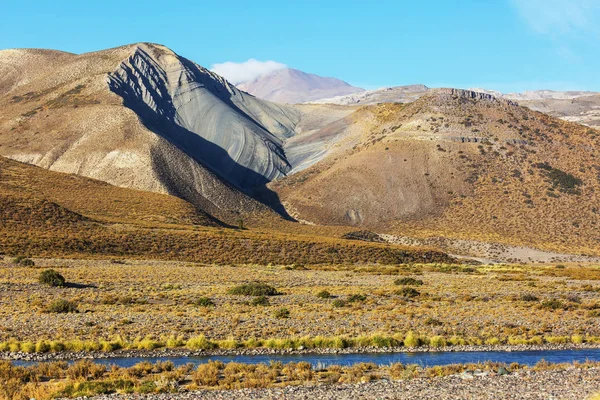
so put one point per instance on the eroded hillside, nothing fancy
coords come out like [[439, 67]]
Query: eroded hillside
[[460, 164]]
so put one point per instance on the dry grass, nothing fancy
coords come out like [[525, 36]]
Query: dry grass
[[147, 304], [84, 378]]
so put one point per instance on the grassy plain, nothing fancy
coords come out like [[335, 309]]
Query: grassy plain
[[150, 304]]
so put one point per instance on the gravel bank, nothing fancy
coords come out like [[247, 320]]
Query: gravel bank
[[570, 384]]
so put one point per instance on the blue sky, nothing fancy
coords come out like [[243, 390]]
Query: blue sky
[[507, 45]]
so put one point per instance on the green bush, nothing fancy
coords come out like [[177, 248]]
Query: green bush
[[356, 297], [433, 322], [324, 294], [23, 261], [204, 302], [51, 278], [254, 289], [407, 292], [339, 303], [408, 282], [552, 304], [260, 301], [61, 307], [528, 297], [412, 340], [282, 313]]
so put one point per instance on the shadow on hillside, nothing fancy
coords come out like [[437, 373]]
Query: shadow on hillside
[[206, 153], [73, 285]]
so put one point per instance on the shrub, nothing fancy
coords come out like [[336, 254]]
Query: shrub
[[254, 289], [23, 261], [324, 294], [408, 282], [552, 304], [407, 292], [282, 313], [204, 302], [51, 278], [437, 341], [199, 343], [339, 303], [356, 297], [433, 322], [260, 301], [411, 340], [493, 341], [577, 339], [528, 297], [207, 374], [61, 307]]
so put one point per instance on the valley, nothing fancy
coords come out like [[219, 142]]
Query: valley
[[149, 206]]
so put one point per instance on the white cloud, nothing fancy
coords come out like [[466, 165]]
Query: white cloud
[[558, 17], [245, 71]]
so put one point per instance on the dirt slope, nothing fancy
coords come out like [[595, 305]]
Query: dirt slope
[[461, 164]]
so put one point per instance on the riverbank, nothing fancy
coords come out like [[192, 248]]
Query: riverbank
[[172, 353], [567, 384]]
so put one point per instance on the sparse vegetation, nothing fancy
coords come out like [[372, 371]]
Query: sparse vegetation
[[407, 292], [51, 278], [86, 379], [407, 281], [260, 301], [282, 313], [62, 306], [204, 302], [254, 289]]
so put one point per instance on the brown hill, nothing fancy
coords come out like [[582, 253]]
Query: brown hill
[[45, 213], [459, 164], [37, 197]]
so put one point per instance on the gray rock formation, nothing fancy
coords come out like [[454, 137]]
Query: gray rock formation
[[237, 136]]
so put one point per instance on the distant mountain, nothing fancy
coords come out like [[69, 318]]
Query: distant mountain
[[293, 86], [397, 94], [575, 106], [539, 94]]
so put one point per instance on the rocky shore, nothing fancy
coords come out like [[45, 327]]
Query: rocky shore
[[264, 351], [569, 384]]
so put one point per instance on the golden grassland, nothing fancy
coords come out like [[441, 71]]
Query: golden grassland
[[150, 304], [84, 378], [45, 213]]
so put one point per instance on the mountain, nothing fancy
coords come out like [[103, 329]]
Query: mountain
[[575, 106], [292, 86], [458, 163], [142, 117], [397, 94], [452, 163]]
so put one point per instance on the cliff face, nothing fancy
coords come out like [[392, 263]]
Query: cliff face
[[205, 116]]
